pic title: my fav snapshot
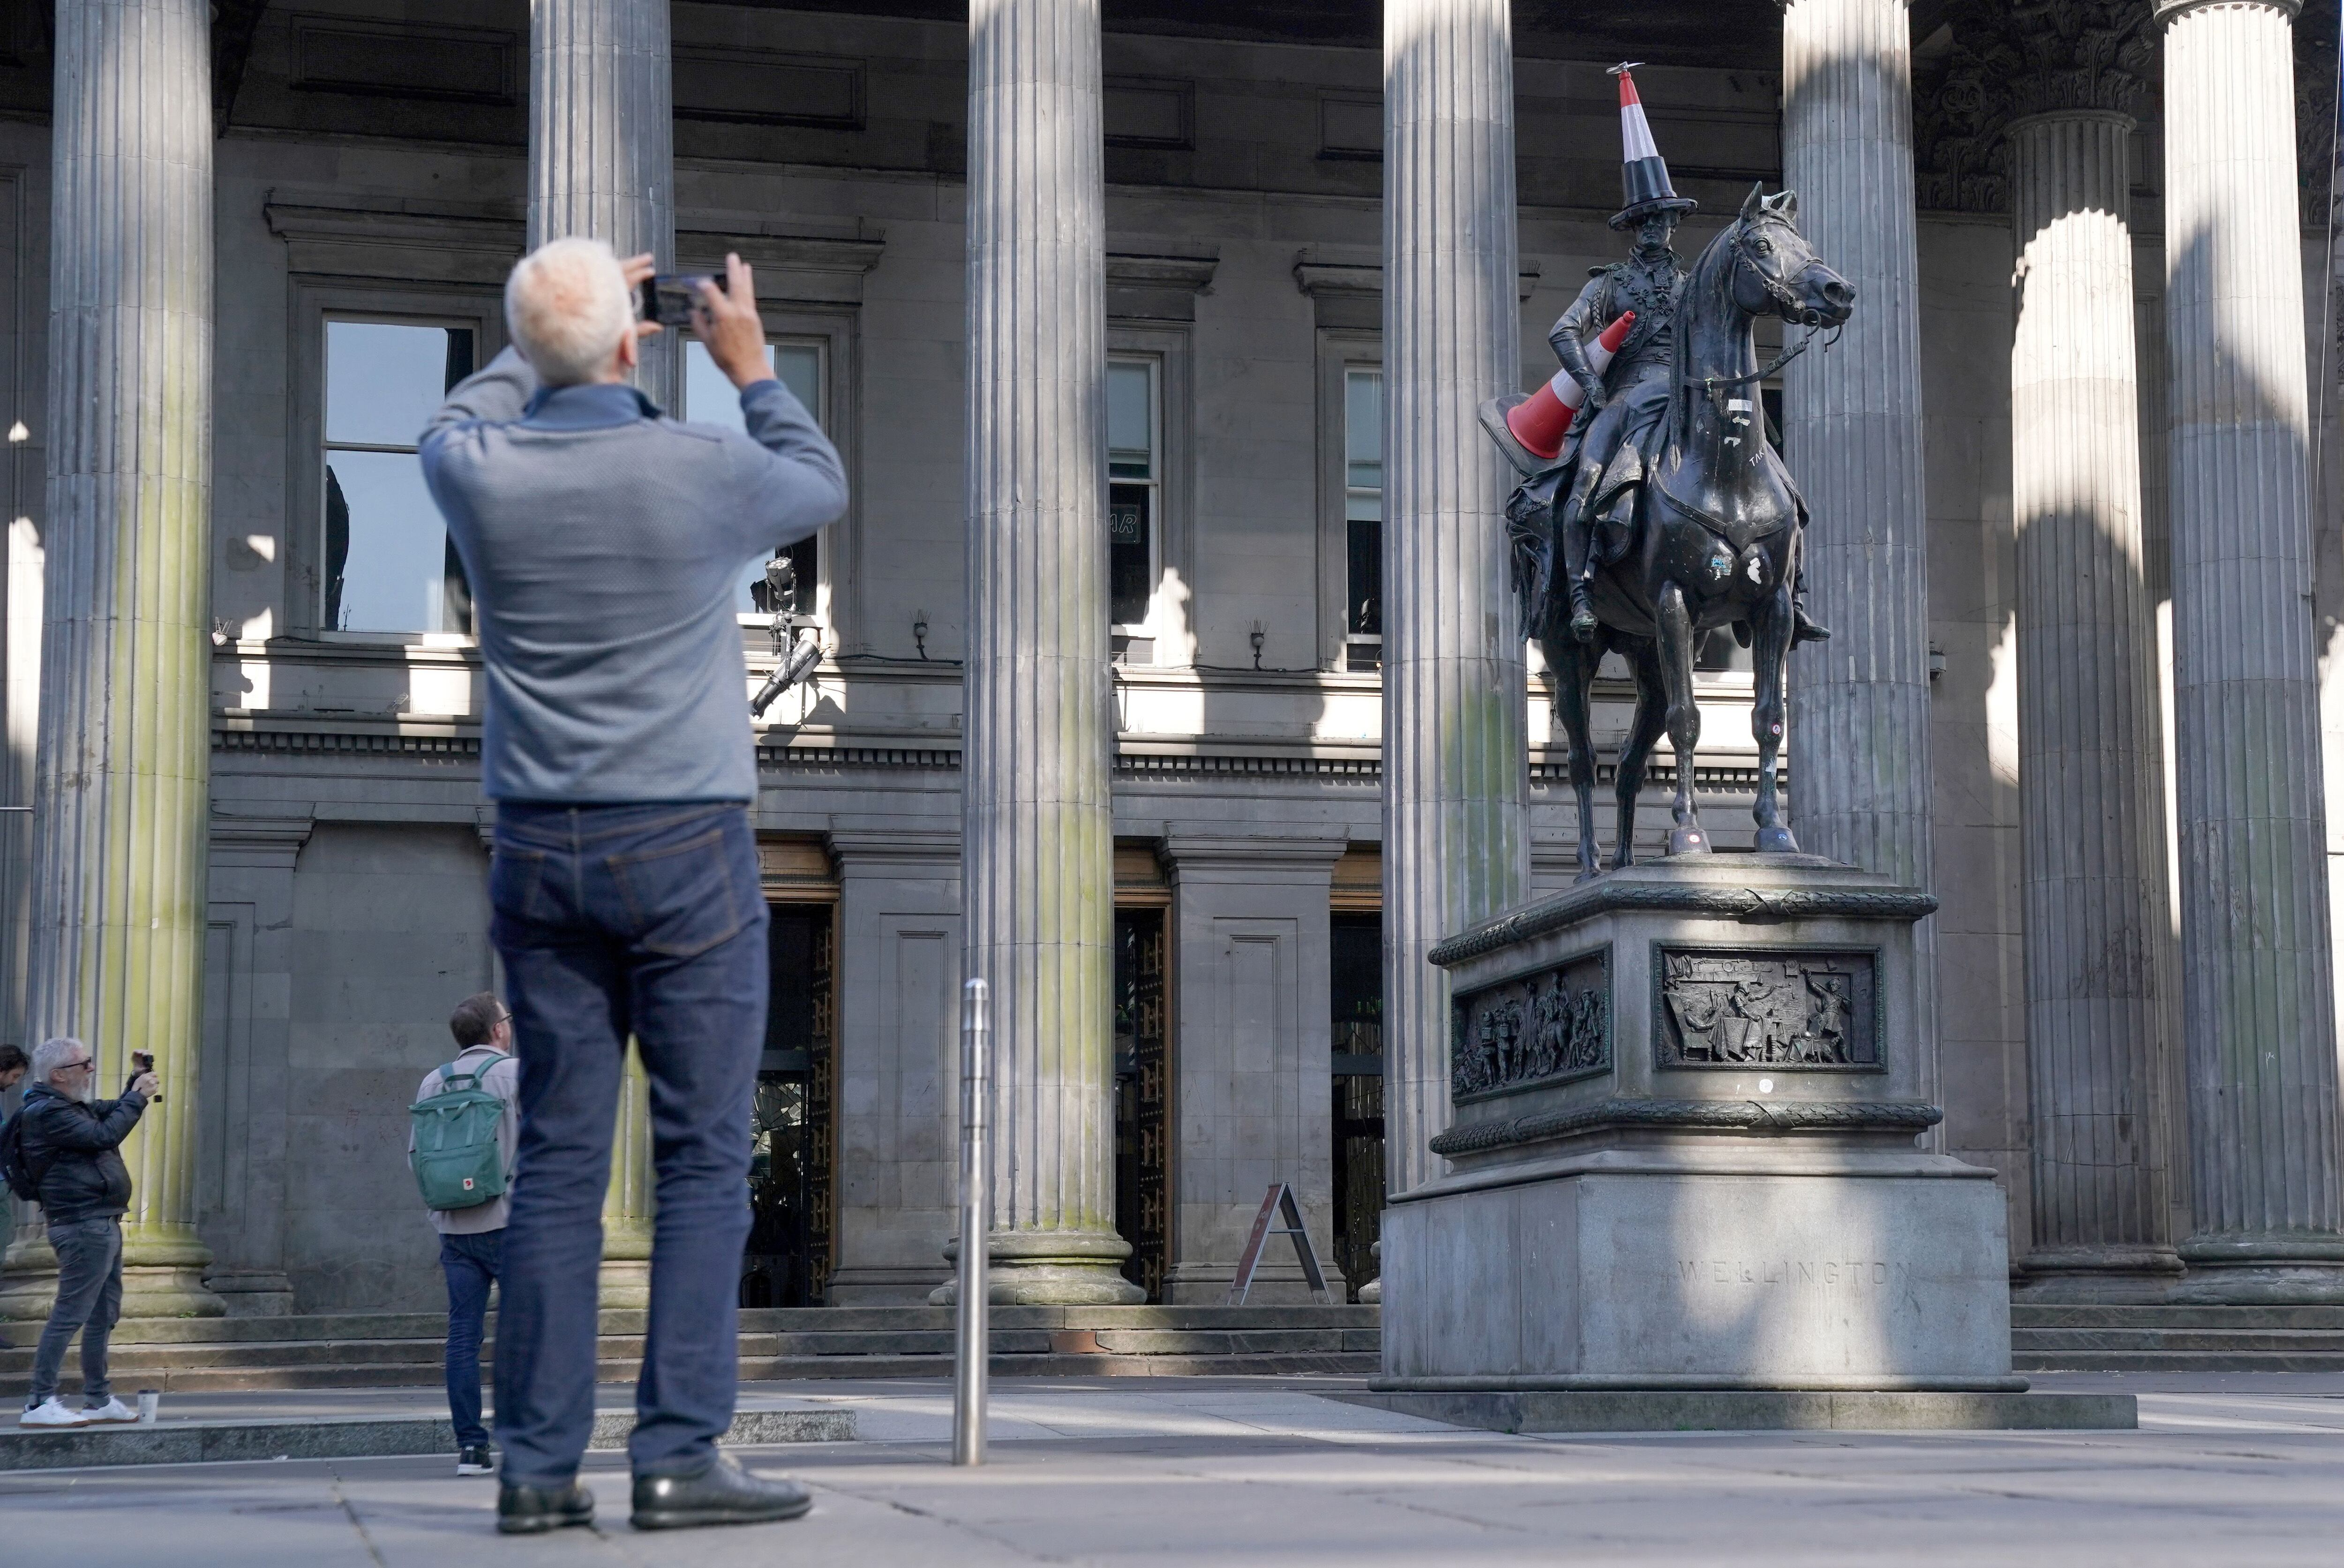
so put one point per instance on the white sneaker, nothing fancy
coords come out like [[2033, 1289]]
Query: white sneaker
[[113, 1409], [51, 1412]]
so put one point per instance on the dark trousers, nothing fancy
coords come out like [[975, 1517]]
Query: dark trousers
[[469, 1263], [611, 921], [89, 1298]]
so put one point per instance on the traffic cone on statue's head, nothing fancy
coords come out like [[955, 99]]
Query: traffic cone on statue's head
[[1643, 173], [1530, 429]]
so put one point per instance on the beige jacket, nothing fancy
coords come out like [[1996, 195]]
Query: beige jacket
[[503, 1080]]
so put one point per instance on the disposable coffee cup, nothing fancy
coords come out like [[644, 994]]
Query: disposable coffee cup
[[149, 1402]]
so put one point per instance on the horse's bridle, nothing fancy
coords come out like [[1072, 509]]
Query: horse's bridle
[[1786, 303]]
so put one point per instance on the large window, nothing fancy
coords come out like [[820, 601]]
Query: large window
[[388, 564], [710, 398], [1363, 517], [1134, 472]]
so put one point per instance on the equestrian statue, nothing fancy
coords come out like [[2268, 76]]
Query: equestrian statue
[[1671, 509]]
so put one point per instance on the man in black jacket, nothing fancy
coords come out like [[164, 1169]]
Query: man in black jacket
[[72, 1145]]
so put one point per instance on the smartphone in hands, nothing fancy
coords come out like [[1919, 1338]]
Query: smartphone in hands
[[669, 297]]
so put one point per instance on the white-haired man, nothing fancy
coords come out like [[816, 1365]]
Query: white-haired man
[[73, 1148], [603, 541]]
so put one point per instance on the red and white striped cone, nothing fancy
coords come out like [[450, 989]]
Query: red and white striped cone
[[1530, 428], [1643, 175]]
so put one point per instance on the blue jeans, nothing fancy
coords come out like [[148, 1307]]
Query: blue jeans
[[89, 1298], [469, 1263], [615, 920]]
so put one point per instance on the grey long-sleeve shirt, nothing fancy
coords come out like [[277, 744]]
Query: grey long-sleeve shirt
[[604, 542]]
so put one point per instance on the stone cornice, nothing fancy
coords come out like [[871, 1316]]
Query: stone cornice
[[1745, 905], [1758, 1118]]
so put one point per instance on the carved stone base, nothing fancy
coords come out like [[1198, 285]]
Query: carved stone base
[[1688, 1096], [28, 1278], [1049, 1268], [2108, 1275], [624, 1281], [163, 1274]]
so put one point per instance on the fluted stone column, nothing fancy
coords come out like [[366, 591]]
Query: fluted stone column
[[2091, 820], [1038, 850], [1853, 426], [625, 1280], [1859, 733], [122, 779], [1456, 767], [601, 159], [601, 164], [2258, 1010]]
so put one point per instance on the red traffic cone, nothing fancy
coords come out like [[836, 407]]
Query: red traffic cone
[[1541, 421]]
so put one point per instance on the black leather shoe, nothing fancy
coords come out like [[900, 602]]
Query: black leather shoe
[[534, 1510], [723, 1494]]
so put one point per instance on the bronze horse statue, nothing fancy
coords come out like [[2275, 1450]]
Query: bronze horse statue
[[1715, 538]]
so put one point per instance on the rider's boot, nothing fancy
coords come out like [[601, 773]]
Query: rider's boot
[[1578, 550], [1804, 628]]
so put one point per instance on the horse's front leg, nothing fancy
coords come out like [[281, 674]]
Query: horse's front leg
[[1683, 716], [1643, 733], [1574, 664], [1771, 624]]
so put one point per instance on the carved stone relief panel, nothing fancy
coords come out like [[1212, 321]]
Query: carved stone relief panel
[[1534, 1031], [1787, 1010]]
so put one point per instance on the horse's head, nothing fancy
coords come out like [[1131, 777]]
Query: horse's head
[[1776, 272]]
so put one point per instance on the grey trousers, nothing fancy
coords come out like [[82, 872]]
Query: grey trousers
[[89, 1298]]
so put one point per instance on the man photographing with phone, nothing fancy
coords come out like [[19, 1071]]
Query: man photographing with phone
[[603, 541], [71, 1150]]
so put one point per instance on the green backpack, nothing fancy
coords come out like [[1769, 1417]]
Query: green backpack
[[457, 1163]]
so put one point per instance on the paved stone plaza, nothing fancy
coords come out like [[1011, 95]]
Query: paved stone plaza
[[2239, 1469]]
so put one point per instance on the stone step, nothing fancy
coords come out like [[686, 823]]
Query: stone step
[[2176, 1362], [2025, 1316], [2292, 1341], [346, 1326], [404, 1349]]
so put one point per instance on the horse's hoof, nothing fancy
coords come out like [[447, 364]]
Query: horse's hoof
[[1775, 841], [1588, 874], [1688, 841]]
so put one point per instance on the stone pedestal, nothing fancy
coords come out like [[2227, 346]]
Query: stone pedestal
[[1688, 1097]]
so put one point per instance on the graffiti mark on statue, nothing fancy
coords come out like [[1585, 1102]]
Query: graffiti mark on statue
[[1733, 1009], [1545, 1028]]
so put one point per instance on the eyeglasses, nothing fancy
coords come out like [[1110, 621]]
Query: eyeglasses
[[69, 1066]]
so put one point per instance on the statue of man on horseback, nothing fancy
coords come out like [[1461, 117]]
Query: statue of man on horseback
[[1673, 513]]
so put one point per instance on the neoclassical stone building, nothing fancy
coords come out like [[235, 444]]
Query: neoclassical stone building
[[1194, 738]]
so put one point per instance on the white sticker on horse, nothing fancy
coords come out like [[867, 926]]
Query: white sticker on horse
[[1757, 573]]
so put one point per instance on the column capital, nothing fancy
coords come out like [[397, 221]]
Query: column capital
[[2009, 64], [2168, 10]]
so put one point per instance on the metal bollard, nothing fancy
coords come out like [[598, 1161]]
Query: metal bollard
[[971, 1349]]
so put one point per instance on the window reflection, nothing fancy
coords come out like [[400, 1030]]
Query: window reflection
[[710, 398], [390, 565]]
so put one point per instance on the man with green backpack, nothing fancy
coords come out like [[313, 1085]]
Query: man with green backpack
[[460, 1136]]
